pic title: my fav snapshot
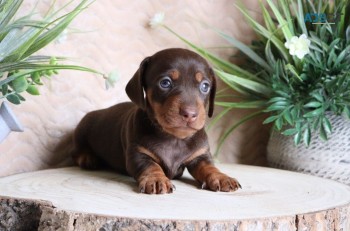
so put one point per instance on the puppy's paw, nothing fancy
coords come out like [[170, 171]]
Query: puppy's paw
[[156, 185], [220, 182]]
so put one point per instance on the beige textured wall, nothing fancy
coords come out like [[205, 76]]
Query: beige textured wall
[[115, 36]]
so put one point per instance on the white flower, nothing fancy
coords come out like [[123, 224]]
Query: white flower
[[157, 20], [298, 46]]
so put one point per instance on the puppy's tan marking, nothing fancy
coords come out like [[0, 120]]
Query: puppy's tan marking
[[175, 75], [199, 77], [201, 112], [213, 179], [154, 181], [196, 154], [147, 152]]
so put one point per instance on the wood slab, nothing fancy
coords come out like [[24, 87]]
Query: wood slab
[[73, 199]]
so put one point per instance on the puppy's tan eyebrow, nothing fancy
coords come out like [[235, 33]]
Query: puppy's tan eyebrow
[[199, 77], [174, 75]]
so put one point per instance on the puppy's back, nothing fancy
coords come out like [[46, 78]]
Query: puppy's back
[[100, 137]]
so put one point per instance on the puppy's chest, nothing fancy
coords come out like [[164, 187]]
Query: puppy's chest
[[172, 156]]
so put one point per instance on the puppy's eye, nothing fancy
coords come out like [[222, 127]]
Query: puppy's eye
[[165, 83], [204, 87]]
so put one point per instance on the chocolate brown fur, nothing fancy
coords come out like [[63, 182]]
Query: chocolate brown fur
[[161, 132]]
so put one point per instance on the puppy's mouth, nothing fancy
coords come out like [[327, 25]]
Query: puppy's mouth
[[187, 126], [179, 128]]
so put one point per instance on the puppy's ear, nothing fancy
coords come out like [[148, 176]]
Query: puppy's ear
[[212, 93], [135, 87]]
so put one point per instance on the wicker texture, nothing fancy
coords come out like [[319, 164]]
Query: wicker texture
[[330, 159]]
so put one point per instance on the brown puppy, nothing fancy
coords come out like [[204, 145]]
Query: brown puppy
[[162, 132]]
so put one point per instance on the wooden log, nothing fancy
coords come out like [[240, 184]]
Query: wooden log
[[73, 199]]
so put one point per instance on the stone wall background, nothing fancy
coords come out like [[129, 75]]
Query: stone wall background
[[113, 35]]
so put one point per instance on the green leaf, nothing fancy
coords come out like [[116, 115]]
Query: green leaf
[[36, 77], [248, 104], [277, 99], [13, 99], [287, 116], [279, 123], [4, 89], [313, 104], [267, 34], [274, 107], [33, 90], [246, 50], [233, 80], [234, 126], [341, 56], [20, 84], [307, 136], [8, 11], [290, 132], [323, 133], [282, 22], [292, 70], [317, 95], [218, 117], [300, 16], [294, 112], [297, 138], [270, 119], [314, 113], [269, 55], [52, 33], [327, 125], [288, 15], [347, 111], [267, 18]]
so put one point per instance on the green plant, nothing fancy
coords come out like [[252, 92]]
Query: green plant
[[295, 71], [22, 37]]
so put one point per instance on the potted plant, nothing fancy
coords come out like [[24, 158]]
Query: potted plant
[[297, 72], [20, 38]]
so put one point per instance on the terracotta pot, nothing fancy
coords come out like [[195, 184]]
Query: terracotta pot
[[8, 122], [329, 159]]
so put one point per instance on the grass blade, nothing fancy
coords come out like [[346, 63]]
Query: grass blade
[[233, 127], [246, 50], [282, 22], [233, 80], [267, 34]]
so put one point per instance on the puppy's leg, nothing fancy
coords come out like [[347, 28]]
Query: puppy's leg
[[86, 159], [149, 174], [153, 181], [82, 155], [210, 177]]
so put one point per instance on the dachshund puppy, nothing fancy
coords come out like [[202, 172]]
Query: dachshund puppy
[[161, 132]]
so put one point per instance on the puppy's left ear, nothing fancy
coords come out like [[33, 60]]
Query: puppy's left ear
[[135, 87], [212, 93]]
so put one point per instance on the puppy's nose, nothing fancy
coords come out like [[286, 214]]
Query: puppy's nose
[[188, 114]]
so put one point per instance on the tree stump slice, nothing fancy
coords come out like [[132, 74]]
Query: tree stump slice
[[73, 199]]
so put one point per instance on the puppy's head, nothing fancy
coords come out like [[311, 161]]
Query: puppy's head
[[175, 86]]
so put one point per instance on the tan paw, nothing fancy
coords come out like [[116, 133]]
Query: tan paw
[[156, 185], [220, 182]]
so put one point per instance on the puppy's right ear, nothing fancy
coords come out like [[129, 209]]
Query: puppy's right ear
[[135, 87]]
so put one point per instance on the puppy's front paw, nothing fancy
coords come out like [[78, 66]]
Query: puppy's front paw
[[220, 182], [156, 185]]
